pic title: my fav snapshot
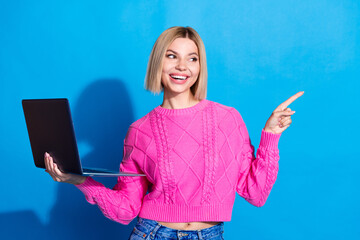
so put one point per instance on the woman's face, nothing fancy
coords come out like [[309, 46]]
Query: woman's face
[[181, 66]]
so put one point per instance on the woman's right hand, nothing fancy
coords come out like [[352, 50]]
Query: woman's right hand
[[59, 176]]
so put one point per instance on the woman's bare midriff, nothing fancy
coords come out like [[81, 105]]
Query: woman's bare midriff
[[189, 225]]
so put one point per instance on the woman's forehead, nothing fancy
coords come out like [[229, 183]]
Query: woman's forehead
[[183, 44]]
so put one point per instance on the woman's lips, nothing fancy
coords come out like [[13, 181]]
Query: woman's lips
[[179, 78]]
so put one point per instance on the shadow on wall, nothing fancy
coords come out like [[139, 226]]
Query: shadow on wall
[[101, 117]]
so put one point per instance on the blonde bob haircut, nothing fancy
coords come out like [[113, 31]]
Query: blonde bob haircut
[[154, 68]]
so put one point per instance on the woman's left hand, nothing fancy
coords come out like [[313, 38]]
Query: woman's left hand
[[280, 118]]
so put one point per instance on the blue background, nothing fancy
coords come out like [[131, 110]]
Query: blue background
[[259, 53]]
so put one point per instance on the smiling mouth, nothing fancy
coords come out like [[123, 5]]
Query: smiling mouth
[[178, 77]]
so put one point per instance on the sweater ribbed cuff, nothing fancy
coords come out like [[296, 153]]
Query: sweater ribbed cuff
[[269, 140], [89, 188]]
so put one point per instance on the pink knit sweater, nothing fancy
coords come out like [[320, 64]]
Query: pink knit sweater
[[195, 160]]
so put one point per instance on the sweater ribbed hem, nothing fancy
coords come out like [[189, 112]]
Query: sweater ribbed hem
[[197, 107], [185, 213], [269, 140]]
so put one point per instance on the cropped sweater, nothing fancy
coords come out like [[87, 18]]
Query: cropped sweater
[[195, 160]]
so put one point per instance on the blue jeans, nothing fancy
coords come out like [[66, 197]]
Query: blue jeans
[[152, 230]]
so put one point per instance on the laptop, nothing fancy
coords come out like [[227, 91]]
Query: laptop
[[50, 128]]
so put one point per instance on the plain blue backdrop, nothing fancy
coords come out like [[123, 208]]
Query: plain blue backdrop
[[259, 54]]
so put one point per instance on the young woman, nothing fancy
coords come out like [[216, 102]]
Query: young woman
[[196, 153]]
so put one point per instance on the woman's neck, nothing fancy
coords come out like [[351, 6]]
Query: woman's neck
[[179, 101]]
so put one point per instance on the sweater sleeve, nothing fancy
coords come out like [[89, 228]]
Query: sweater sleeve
[[257, 175], [122, 203]]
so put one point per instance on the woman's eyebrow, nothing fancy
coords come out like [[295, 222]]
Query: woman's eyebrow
[[177, 53]]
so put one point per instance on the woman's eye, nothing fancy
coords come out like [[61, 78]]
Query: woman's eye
[[194, 59], [170, 56]]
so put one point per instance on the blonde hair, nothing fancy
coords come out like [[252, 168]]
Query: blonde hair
[[154, 68]]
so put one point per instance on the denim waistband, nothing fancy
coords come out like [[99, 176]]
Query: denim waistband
[[152, 228]]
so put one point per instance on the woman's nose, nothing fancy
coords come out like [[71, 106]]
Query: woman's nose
[[181, 65]]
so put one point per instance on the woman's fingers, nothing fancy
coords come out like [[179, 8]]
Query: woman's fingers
[[57, 175], [46, 161], [54, 167], [63, 177], [285, 113], [283, 117], [51, 164], [50, 167], [286, 122], [289, 101]]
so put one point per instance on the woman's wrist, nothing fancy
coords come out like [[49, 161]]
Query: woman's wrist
[[268, 130], [80, 180]]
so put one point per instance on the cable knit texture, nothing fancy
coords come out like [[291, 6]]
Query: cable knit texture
[[195, 160]]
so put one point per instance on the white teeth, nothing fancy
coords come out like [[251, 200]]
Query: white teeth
[[178, 77]]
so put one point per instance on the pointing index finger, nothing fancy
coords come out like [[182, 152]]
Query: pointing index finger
[[285, 104]]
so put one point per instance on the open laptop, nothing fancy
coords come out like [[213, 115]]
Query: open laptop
[[51, 130]]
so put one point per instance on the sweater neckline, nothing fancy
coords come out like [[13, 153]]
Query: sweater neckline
[[165, 111]]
